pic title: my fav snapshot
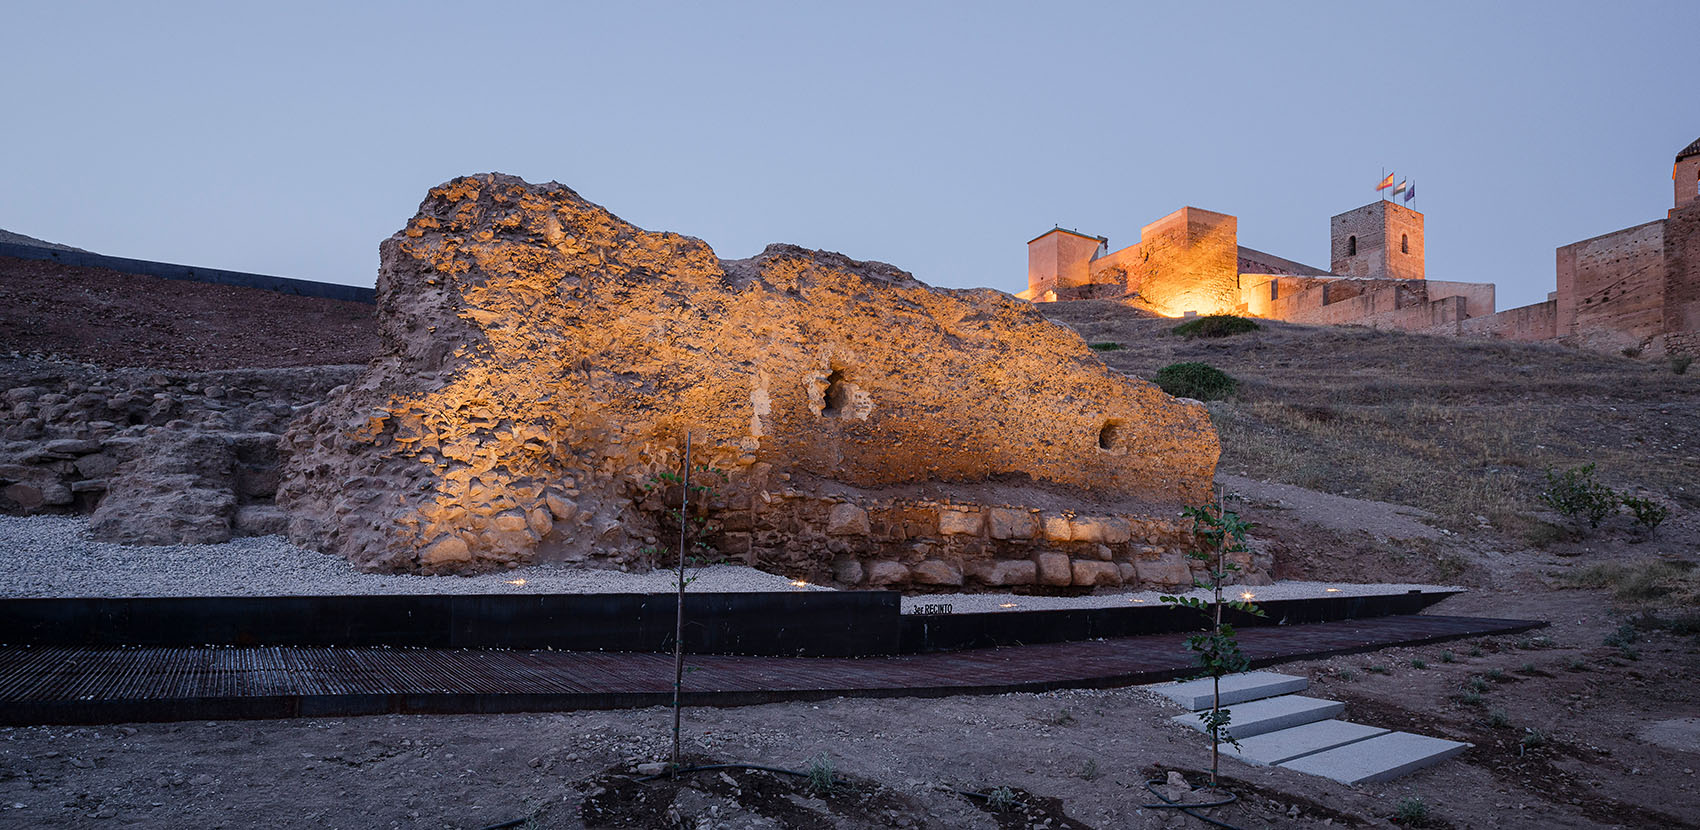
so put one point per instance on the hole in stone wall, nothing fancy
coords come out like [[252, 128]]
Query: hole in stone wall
[[1110, 436], [837, 396], [1351, 246], [1404, 243]]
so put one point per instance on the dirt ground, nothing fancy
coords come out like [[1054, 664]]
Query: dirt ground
[[1590, 722], [113, 319], [1564, 727]]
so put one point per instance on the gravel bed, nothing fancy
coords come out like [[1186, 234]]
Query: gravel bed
[[54, 556]]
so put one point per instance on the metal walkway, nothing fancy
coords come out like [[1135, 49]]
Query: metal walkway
[[52, 684]]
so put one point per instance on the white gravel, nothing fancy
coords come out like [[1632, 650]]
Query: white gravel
[[54, 556]]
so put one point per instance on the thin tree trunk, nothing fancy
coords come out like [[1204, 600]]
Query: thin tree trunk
[[679, 603]]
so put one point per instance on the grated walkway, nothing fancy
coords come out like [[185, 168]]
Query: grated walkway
[[51, 684]]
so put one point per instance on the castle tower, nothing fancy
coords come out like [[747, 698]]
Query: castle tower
[[1686, 174], [1058, 260], [1380, 240]]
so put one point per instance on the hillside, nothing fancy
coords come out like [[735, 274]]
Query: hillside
[[1464, 428], [113, 319]]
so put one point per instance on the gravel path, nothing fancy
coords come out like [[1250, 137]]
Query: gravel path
[[54, 556]]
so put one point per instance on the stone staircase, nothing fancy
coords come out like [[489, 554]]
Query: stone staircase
[[1278, 727]]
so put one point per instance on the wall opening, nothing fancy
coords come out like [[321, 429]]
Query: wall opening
[[1351, 246], [1111, 437], [837, 395], [1404, 243]]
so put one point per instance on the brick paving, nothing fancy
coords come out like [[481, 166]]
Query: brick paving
[[51, 684]]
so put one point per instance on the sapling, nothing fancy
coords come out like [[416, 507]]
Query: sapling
[[687, 523], [1219, 532]]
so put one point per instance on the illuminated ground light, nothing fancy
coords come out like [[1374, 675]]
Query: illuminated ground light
[[799, 583], [516, 582], [1131, 599], [1247, 595], [1006, 605], [1331, 590]]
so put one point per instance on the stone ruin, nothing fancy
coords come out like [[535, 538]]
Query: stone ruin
[[544, 361]]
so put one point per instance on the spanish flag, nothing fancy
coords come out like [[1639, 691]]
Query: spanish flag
[[1385, 183]]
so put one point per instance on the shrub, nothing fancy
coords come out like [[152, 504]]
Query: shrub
[[1105, 347], [1498, 719], [1447, 657], [822, 777], [1410, 811], [1471, 698], [1199, 381], [1648, 513], [1477, 684], [1533, 737], [1576, 495], [1216, 325], [1419, 663]]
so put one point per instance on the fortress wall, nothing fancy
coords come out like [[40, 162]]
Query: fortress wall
[[1337, 302], [1681, 312], [1610, 287], [1530, 322], [1479, 295], [1116, 267]]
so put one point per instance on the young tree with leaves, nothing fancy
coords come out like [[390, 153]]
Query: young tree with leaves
[[1217, 532]]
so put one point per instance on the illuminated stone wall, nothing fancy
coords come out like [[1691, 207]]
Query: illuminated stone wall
[[544, 360]]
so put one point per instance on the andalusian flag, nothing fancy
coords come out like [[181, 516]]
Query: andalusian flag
[[1401, 188], [1385, 183]]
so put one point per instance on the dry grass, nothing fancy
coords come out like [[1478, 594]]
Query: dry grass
[[1649, 583], [1464, 428]]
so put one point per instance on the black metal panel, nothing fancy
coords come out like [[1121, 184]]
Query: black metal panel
[[807, 624]]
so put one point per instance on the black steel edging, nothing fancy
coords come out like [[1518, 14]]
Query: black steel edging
[[950, 632], [791, 623], [191, 273], [776, 624]]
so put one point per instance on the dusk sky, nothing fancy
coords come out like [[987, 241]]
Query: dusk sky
[[290, 138]]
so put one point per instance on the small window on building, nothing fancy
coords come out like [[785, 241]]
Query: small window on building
[[1404, 243], [1351, 246], [1274, 289]]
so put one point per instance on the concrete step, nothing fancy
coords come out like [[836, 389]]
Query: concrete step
[[1258, 717], [1377, 759], [1236, 688], [1284, 745]]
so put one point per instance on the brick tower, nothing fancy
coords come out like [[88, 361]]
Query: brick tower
[[1686, 174], [1380, 240]]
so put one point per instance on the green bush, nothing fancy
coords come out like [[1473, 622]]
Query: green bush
[[1216, 325], [1410, 811], [1105, 346], [1576, 495], [1648, 513], [1199, 381]]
